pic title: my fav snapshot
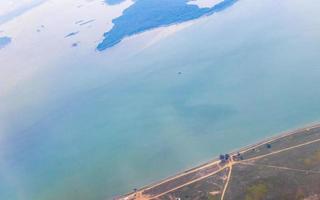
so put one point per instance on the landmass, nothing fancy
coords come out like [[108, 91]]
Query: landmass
[[145, 15], [286, 167]]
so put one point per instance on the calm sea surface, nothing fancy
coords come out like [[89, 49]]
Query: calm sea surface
[[108, 123]]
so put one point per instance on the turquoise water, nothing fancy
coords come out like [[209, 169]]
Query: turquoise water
[[106, 124]]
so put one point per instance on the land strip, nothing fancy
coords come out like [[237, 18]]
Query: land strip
[[276, 145]]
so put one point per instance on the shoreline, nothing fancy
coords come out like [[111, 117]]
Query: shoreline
[[244, 149]]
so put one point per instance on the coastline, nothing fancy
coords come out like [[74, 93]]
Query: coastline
[[279, 135], [283, 134]]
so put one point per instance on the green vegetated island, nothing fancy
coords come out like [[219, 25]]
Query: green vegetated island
[[286, 167]]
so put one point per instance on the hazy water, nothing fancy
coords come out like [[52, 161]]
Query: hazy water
[[247, 73]]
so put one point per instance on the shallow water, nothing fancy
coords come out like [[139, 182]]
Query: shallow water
[[98, 131]]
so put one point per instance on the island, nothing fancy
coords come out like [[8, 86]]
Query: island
[[144, 15]]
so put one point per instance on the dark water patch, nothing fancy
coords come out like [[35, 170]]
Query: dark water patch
[[72, 34], [40, 28], [145, 15], [4, 41], [79, 21], [87, 22], [5, 17], [75, 44]]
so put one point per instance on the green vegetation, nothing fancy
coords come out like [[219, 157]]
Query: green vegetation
[[313, 159], [213, 197], [256, 192]]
